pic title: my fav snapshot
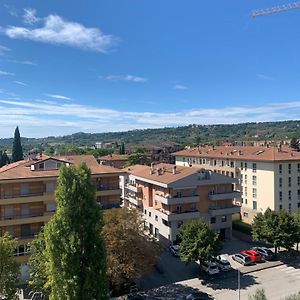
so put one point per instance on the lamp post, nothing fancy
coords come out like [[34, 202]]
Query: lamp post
[[239, 285]]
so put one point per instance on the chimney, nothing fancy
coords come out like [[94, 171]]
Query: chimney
[[174, 170]]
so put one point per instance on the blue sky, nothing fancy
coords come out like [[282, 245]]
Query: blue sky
[[117, 64]]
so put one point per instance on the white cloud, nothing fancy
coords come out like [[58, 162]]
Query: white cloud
[[179, 87], [56, 30], [23, 62], [44, 117], [264, 77], [55, 96], [3, 50], [124, 78], [30, 17], [5, 73], [20, 83]]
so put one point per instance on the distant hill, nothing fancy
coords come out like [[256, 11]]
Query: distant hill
[[172, 135]]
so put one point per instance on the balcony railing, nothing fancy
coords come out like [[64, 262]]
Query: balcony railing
[[103, 187], [22, 216], [168, 200], [133, 187], [178, 215], [223, 195], [19, 195], [218, 211]]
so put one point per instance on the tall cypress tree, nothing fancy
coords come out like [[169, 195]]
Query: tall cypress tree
[[17, 151], [76, 256], [4, 159]]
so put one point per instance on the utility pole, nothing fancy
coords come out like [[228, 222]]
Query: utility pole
[[239, 284]]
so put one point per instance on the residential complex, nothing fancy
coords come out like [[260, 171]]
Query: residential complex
[[267, 176], [170, 195], [27, 194], [114, 160]]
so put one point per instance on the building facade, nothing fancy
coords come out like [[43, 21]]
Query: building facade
[[27, 199], [267, 176], [169, 195], [114, 160]]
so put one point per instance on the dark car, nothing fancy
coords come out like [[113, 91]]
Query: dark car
[[174, 249], [197, 296], [266, 253]]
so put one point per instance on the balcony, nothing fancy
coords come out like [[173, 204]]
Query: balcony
[[26, 198], [108, 190], [133, 188], [18, 219], [220, 211], [135, 201], [177, 216], [176, 200], [224, 195]]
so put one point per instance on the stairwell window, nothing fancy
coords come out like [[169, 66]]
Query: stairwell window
[[289, 168], [254, 205], [290, 195], [254, 193], [298, 168], [254, 167], [280, 196], [280, 169], [280, 182], [298, 180], [290, 181], [254, 180]]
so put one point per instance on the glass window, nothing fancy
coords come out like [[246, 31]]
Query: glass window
[[298, 194], [242, 165], [254, 193], [289, 168], [290, 181], [290, 195], [280, 182], [246, 191], [213, 220], [254, 180], [298, 168], [290, 208], [246, 201], [246, 179], [223, 219], [280, 196], [254, 167], [245, 166], [254, 205], [280, 206], [298, 180], [280, 168]]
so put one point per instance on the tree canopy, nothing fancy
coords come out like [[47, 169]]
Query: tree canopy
[[130, 252], [9, 268], [74, 256], [198, 242], [17, 151]]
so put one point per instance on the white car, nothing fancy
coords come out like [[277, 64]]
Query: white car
[[210, 268], [222, 263]]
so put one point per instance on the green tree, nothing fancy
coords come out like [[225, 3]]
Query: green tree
[[4, 159], [122, 148], [17, 151], [198, 242], [297, 228], [293, 143], [130, 252], [75, 256], [293, 297], [258, 295], [136, 158], [275, 228], [9, 269]]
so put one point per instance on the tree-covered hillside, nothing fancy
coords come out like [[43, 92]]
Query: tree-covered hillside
[[166, 136]]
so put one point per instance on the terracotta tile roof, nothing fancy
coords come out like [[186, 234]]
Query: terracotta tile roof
[[166, 176], [242, 153], [22, 170], [114, 157]]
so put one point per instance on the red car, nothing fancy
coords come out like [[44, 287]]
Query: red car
[[253, 255]]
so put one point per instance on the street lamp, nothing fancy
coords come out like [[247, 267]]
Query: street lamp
[[239, 284]]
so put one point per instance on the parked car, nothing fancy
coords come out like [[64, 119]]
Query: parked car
[[266, 253], [197, 296], [210, 268], [222, 263], [242, 259], [174, 249], [253, 255]]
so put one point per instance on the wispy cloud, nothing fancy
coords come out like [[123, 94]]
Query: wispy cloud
[[11, 10], [5, 73], [179, 87], [3, 50], [23, 62], [124, 78], [58, 31], [56, 96], [29, 16], [264, 77], [43, 117], [20, 83]]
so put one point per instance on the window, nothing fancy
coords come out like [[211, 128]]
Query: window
[[246, 201], [149, 213], [165, 222], [290, 208], [213, 220], [241, 178], [246, 191], [280, 196], [156, 232], [156, 218], [298, 168], [215, 162], [42, 166], [231, 164], [245, 166], [280, 168], [290, 195], [223, 219], [246, 179], [298, 194], [280, 206], [145, 212], [179, 224], [254, 193], [298, 204], [280, 182], [254, 205], [254, 180], [245, 214], [290, 181], [242, 165], [289, 168], [254, 167]]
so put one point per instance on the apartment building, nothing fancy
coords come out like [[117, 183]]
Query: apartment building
[[169, 195], [267, 176], [27, 194], [114, 160]]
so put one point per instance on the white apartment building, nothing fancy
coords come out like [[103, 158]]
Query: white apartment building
[[169, 195], [267, 176]]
